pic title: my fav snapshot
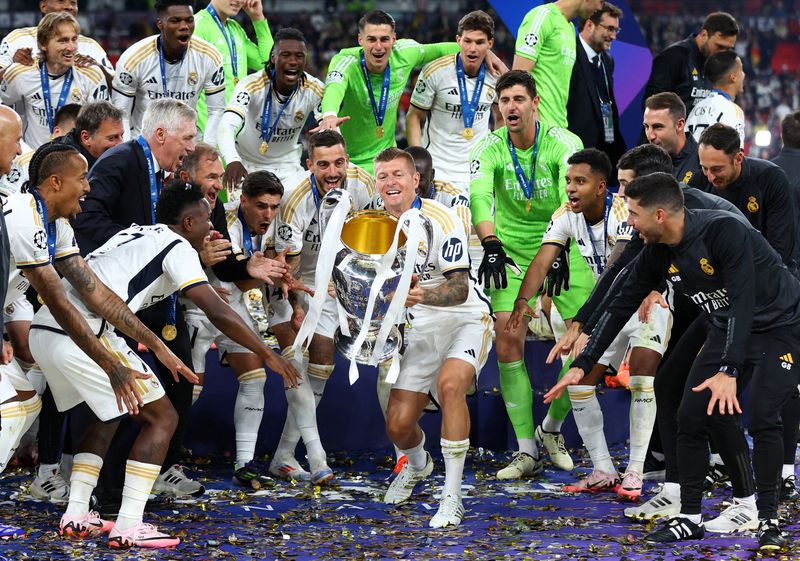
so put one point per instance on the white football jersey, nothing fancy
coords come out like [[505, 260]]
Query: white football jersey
[[13, 181], [449, 252], [566, 225], [22, 86], [453, 197], [27, 238], [143, 265], [236, 233], [239, 135], [139, 81], [298, 220], [437, 91], [715, 108], [25, 38]]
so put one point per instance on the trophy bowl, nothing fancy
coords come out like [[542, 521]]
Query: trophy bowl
[[366, 236]]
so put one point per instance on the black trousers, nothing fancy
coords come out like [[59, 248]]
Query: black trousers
[[773, 377], [686, 339]]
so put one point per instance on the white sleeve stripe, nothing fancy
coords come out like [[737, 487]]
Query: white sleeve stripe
[[538, 21]]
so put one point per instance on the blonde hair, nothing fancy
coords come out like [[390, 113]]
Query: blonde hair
[[49, 25]]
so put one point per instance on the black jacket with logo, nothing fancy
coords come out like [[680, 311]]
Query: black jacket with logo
[[763, 194], [686, 164], [679, 69], [611, 281], [723, 265]]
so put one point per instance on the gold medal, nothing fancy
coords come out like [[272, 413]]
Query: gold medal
[[468, 133], [169, 332], [528, 206], [39, 299], [379, 132], [235, 80], [263, 148]]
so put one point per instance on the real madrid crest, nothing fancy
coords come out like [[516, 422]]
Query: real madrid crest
[[706, 267], [76, 96], [192, 79], [299, 117], [752, 204]]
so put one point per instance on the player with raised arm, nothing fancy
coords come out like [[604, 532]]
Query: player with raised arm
[[261, 127], [368, 115]]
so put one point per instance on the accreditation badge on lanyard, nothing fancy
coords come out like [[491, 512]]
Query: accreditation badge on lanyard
[[606, 111]]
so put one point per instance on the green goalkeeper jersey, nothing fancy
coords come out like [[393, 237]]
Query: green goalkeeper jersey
[[548, 39], [497, 196], [249, 56], [346, 95]]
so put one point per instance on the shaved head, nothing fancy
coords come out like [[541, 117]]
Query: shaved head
[[10, 137]]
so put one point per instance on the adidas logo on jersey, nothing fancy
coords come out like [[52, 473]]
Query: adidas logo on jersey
[[470, 352], [37, 96], [151, 80], [656, 339], [452, 91], [787, 361]]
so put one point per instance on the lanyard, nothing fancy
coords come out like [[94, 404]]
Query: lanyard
[[62, 97], [600, 262], [151, 172], [378, 109], [723, 94], [163, 65], [229, 40], [50, 227], [417, 203], [268, 130], [602, 69], [469, 107], [527, 186], [247, 239]]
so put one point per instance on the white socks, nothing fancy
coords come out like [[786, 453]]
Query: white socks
[[196, 391], [303, 407], [528, 445], [85, 471], [247, 413], [454, 453], [417, 458], [787, 470], [672, 489], [589, 418], [139, 479], [642, 419], [384, 390], [715, 459], [549, 424], [12, 424]]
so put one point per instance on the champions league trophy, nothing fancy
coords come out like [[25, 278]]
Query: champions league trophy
[[366, 255]]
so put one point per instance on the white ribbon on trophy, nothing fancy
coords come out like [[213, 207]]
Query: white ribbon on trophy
[[330, 245], [414, 236]]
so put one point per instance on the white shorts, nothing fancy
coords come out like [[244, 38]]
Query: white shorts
[[280, 310], [329, 319], [429, 345], [284, 172], [13, 381], [19, 310], [202, 333], [653, 335], [75, 378]]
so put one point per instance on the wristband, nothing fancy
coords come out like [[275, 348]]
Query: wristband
[[731, 371], [523, 298]]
